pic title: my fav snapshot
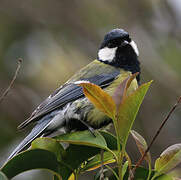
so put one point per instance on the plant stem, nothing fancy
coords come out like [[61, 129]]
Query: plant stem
[[122, 156], [121, 153], [119, 156], [120, 165], [149, 173]]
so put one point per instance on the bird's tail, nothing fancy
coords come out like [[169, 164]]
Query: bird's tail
[[37, 131]]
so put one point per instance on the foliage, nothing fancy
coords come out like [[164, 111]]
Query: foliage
[[84, 152]]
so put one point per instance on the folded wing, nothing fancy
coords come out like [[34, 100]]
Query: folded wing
[[65, 94]]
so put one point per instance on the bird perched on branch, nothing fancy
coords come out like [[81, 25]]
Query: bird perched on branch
[[67, 108]]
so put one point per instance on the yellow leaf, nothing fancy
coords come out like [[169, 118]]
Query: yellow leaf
[[101, 100], [97, 161], [72, 177], [99, 165]]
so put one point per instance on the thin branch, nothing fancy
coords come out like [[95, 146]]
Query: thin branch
[[157, 133], [2, 97]]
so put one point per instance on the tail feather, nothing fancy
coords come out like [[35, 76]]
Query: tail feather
[[37, 131]]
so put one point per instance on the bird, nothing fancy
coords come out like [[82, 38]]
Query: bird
[[67, 109]]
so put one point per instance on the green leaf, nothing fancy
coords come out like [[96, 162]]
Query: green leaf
[[77, 154], [140, 174], [169, 159], [83, 138], [142, 145], [101, 100], [83, 145], [110, 139], [128, 110], [31, 159], [125, 167], [3, 176], [95, 162], [70, 161], [74, 157], [37, 158], [48, 144], [164, 177]]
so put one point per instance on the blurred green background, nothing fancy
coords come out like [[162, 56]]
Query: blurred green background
[[56, 38]]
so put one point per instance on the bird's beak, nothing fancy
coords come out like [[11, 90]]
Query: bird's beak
[[132, 44], [124, 43]]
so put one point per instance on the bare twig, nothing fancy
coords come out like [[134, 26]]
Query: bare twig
[[12, 81], [156, 135]]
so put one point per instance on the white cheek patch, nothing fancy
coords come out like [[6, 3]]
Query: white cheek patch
[[134, 46], [107, 54]]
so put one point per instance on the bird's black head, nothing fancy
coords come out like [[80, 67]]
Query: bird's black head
[[119, 50]]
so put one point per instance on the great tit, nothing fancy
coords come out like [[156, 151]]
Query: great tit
[[67, 109]]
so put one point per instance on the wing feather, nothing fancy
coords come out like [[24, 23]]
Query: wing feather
[[65, 94]]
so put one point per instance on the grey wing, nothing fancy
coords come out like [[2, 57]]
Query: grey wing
[[65, 94], [36, 132]]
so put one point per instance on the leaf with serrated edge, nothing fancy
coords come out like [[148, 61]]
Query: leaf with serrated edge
[[141, 144], [128, 110], [101, 100], [169, 159]]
